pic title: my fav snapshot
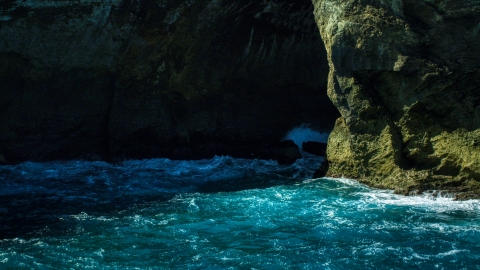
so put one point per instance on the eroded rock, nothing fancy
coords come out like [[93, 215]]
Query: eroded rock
[[405, 77]]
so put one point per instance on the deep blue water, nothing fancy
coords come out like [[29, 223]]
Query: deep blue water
[[222, 213]]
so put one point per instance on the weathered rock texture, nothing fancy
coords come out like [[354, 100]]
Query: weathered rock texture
[[405, 76], [150, 78]]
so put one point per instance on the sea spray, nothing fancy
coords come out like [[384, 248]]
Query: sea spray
[[303, 134]]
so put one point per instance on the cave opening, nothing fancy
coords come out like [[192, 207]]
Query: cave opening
[[189, 80]]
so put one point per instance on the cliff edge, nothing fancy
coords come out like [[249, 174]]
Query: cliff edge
[[405, 76]]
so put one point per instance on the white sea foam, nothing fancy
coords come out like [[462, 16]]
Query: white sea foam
[[435, 200], [297, 223], [304, 133], [451, 252], [425, 200]]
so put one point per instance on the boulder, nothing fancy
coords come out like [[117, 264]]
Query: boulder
[[322, 171], [285, 152], [315, 148]]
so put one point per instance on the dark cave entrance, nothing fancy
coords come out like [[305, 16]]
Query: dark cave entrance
[[270, 66], [191, 80]]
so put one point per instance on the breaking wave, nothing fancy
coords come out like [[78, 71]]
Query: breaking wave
[[223, 213]]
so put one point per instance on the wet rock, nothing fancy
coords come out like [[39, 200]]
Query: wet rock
[[322, 171], [315, 148], [285, 152]]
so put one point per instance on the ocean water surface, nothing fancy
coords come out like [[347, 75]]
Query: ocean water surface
[[223, 213]]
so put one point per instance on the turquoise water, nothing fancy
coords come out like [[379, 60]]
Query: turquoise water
[[222, 213]]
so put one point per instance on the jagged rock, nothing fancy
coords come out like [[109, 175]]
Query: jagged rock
[[285, 152], [322, 171], [136, 79], [315, 148], [405, 77]]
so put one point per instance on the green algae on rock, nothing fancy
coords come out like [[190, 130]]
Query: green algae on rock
[[405, 77]]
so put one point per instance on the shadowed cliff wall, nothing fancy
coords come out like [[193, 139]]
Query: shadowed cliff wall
[[149, 78]]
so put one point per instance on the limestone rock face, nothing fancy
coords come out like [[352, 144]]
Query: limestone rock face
[[405, 76], [151, 78]]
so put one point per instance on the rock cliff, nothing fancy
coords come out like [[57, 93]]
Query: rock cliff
[[405, 76], [190, 79], [156, 78]]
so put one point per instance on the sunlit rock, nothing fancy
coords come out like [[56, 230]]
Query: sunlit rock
[[405, 78]]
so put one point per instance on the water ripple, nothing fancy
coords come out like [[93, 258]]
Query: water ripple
[[223, 213]]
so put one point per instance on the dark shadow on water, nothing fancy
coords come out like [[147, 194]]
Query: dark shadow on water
[[251, 181], [26, 214]]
